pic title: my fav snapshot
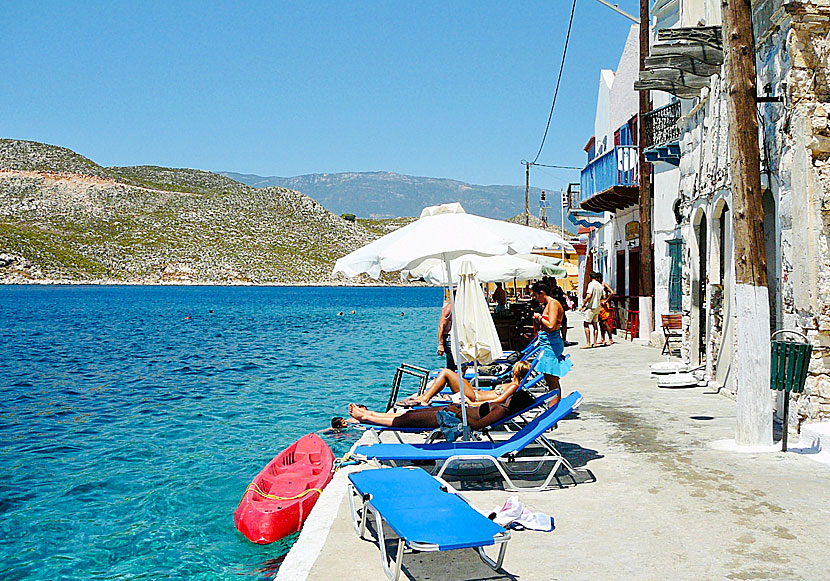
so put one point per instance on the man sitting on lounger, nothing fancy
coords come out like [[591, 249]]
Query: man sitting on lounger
[[479, 415], [448, 377]]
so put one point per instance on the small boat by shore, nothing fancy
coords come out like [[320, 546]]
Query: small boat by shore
[[282, 495]]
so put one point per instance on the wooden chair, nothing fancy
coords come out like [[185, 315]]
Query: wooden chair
[[673, 330]]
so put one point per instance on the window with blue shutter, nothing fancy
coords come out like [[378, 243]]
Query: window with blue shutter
[[675, 274]]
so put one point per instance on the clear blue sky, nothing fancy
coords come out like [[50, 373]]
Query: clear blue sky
[[442, 89]]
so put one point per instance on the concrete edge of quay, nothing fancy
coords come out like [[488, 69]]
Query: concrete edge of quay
[[303, 554]]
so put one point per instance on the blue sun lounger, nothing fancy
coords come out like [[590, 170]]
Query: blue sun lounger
[[503, 455], [423, 513]]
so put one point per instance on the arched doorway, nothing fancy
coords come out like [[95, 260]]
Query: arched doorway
[[697, 344], [722, 275]]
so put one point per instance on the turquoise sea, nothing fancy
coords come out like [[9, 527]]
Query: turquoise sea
[[128, 431]]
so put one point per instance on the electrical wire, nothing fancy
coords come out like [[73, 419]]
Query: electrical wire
[[555, 177], [558, 80], [557, 166]]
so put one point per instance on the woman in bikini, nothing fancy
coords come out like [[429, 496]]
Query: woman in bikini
[[478, 416], [448, 377], [553, 363]]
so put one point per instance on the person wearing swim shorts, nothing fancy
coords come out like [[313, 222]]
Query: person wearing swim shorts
[[591, 307]]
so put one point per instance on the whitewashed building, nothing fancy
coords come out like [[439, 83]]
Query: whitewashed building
[[608, 194]]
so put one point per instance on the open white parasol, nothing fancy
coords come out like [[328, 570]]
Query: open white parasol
[[489, 268], [445, 232]]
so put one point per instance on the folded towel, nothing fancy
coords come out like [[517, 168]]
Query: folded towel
[[515, 515]]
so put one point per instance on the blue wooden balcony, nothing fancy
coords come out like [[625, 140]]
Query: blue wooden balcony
[[611, 181]]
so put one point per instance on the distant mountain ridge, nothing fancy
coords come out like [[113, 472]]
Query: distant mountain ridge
[[389, 194], [65, 218]]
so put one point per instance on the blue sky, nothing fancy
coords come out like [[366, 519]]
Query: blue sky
[[441, 89]]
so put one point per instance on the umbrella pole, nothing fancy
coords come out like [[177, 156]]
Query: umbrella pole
[[457, 351]]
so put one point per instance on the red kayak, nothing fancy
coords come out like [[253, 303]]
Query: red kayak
[[279, 499]]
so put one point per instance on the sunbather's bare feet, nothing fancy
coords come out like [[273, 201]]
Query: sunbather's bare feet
[[587, 347], [357, 412]]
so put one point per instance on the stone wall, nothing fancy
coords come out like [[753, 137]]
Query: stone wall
[[794, 62]]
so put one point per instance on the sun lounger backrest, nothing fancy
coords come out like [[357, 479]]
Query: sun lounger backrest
[[541, 424]]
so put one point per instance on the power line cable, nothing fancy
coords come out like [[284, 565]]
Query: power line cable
[[557, 166], [558, 80]]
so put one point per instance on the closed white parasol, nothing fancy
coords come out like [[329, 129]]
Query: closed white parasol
[[445, 232], [477, 337]]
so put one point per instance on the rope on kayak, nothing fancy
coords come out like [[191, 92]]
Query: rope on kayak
[[255, 488]]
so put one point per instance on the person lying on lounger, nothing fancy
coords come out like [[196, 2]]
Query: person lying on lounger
[[478, 416], [499, 394]]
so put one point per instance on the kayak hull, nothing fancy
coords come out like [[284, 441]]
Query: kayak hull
[[281, 496]]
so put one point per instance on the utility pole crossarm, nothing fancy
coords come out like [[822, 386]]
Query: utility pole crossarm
[[617, 9]]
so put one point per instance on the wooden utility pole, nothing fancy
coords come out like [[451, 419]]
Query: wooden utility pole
[[646, 253], [527, 193], [754, 402]]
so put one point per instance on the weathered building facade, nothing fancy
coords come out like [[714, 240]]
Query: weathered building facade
[[792, 44]]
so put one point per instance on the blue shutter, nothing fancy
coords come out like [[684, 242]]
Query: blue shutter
[[675, 274]]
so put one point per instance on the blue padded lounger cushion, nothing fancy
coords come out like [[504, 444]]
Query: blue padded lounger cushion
[[414, 506]]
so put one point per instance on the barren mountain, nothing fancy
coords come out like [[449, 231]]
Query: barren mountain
[[64, 217]]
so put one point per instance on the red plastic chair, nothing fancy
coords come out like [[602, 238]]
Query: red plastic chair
[[632, 328]]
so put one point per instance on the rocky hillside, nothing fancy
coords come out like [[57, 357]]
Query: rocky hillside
[[389, 194], [63, 217]]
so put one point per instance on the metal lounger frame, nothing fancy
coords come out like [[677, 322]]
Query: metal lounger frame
[[394, 571]]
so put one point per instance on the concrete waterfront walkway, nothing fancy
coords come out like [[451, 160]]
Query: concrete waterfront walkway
[[665, 502]]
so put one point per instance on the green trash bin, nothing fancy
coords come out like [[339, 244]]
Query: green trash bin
[[788, 370]]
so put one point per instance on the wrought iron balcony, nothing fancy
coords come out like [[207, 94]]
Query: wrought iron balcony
[[611, 181], [661, 125]]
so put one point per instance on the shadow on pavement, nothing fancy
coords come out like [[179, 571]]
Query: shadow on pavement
[[482, 475], [461, 564]]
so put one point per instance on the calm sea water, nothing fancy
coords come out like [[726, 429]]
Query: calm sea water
[[128, 433]]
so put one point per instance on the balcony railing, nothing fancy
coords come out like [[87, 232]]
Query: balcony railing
[[573, 197], [661, 125], [616, 167]]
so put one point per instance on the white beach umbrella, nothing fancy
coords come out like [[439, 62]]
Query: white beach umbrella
[[541, 259], [489, 268], [445, 232], [551, 266], [477, 337]]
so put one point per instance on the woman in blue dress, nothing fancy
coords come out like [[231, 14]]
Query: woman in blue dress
[[553, 363]]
